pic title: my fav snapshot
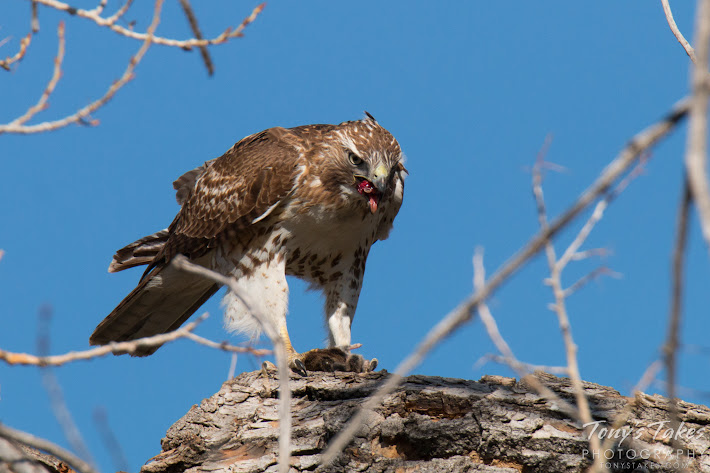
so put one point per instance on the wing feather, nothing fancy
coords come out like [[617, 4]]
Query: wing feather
[[233, 191]]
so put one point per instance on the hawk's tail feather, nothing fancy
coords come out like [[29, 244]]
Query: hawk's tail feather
[[161, 302], [139, 252]]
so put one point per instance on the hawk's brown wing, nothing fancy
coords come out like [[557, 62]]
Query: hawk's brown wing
[[233, 191]]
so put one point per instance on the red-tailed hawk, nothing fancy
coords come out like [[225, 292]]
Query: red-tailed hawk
[[307, 201]]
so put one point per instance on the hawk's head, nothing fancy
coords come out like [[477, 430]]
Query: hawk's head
[[368, 159]]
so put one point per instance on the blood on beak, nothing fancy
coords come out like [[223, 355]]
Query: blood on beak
[[366, 188]]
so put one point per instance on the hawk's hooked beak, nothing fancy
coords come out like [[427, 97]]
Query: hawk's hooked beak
[[380, 178], [374, 187]]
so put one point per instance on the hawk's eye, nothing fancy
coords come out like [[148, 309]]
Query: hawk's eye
[[355, 160]]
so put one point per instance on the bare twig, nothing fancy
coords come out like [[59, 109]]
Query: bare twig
[[24, 42], [555, 282], [119, 13], [671, 346], [479, 280], [232, 367], [110, 440], [597, 214], [99, 8], [54, 391], [676, 32], [192, 19], [228, 34], [226, 346], [528, 367], [35, 18], [118, 348], [271, 331], [670, 349], [45, 445], [82, 115], [463, 313], [696, 148], [42, 102], [580, 255], [648, 376], [523, 369], [589, 277]]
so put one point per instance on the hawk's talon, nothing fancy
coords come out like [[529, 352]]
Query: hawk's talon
[[372, 365], [298, 367]]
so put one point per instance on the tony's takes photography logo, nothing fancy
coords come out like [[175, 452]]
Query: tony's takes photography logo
[[624, 455]]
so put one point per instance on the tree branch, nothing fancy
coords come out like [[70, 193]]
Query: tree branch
[[225, 36], [24, 43], [56, 75], [192, 19], [81, 116], [119, 348], [696, 150], [676, 32]]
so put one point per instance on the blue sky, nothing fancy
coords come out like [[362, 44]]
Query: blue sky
[[470, 90]]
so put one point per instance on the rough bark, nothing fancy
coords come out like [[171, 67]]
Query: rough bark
[[429, 424]]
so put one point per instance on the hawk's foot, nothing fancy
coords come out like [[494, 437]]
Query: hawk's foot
[[335, 359]]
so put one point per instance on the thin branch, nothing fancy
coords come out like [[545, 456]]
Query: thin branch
[[232, 367], [597, 214], [35, 18], [271, 331], [696, 148], [676, 32], [528, 367], [119, 348], [56, 395], [489, 322], [83, 114], [42, 102], [192, 19], [99, 8], [589, 277], [224, 346], [670, 349], [225, 36], [555, 282], [24, 42], [580, 255], [46, 446], [119, 13], [522, 369], [464, 312], [109, 439], [648, 377]]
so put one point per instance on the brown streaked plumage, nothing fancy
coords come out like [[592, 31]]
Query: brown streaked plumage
[[307, 201]]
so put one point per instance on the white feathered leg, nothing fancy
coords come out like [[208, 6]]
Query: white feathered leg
[[340, 303], [267, 290]]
